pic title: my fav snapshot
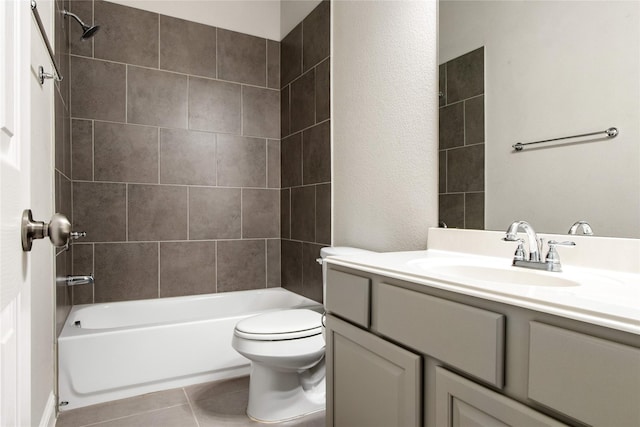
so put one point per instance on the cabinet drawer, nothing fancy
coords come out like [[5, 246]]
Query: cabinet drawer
[[347, 295], [590, 379], [465, 337]]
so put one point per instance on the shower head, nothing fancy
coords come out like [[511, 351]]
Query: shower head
[[88, 31]]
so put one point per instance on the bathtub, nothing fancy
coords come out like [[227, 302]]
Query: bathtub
[[123, 349]]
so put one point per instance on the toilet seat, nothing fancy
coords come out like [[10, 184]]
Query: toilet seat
[[280, 325]]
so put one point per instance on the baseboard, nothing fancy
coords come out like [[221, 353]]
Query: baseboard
[[49, 415]]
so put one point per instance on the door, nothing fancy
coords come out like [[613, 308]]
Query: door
[[26, 181], [15, 294], [370, 382]]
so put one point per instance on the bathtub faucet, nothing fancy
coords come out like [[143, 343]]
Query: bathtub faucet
[[80, 280]]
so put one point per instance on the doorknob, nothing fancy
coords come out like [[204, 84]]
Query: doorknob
[[58, 230]]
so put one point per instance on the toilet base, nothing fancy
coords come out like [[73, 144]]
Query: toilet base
[[276, 396]]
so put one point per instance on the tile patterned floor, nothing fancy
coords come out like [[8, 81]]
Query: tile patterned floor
[[216, 404]]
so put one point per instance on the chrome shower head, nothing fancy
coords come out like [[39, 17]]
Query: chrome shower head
[[88, 31]]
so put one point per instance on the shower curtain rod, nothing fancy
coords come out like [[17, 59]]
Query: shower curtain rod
[[41, 74]]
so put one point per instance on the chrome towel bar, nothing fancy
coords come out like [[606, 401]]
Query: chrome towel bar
[[42, 75], [611, 133]]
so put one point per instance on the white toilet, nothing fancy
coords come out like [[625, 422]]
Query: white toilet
[[286, 349]]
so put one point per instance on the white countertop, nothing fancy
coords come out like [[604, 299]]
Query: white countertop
[[602, 297]]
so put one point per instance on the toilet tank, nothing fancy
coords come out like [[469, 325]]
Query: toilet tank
[[335, 251]]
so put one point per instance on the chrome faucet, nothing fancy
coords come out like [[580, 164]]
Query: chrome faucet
[[584, 225], [79, 280], [520, 258], [535, 245]]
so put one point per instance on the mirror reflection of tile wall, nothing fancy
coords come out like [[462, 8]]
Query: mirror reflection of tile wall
[[461, 141]]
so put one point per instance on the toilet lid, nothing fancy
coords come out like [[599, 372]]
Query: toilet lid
[[281, 325]]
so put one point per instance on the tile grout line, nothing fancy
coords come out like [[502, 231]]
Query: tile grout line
[[159, 154], [93, 268], [266, 64], [266, 169], [193, 413], [290, 211], [315, 213], [242, 110], [188, 99], [93, 19], [307, 128], [207, 131], [158, 243], [231, 187], [159, 41], [126, 93], [216, 267], [123, 242], [197, 76], [109, 420], [215, 153], [241, 215], [217, 57], [126, 211], [93, 150]]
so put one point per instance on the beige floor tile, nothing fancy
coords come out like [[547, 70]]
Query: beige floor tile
[[121, 408], [210, 390], [177, 416]]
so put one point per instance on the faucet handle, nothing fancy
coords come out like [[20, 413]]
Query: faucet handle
[[552, 256], [519, 254]]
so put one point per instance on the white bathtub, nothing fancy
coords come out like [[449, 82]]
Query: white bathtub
[[117, 350]]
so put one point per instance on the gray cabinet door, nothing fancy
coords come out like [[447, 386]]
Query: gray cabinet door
[[463, 403], [370, 382], [590, 379]]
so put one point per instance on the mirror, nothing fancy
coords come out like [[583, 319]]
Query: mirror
[[524, 71]]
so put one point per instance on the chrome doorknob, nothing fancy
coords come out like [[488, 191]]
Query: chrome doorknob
[[58, 230]]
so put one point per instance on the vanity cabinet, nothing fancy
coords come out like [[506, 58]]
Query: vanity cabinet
[[373, 382], [474, 362], [463, 403]]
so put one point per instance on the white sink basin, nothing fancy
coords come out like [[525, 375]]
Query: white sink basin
[[508, 276]]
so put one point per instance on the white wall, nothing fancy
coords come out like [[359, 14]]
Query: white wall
[[292, 12], [261, 18], [564, 68], [385, 126]]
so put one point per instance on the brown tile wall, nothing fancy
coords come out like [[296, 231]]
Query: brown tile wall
[[62, 156], [173, 164], [462, 137], [306, 152]]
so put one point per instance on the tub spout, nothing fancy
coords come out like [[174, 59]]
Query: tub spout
[[80, 280]]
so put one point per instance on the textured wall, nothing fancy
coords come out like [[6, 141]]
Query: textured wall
[[384, 94], [306, 152], [175, 156], [461, 141]]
